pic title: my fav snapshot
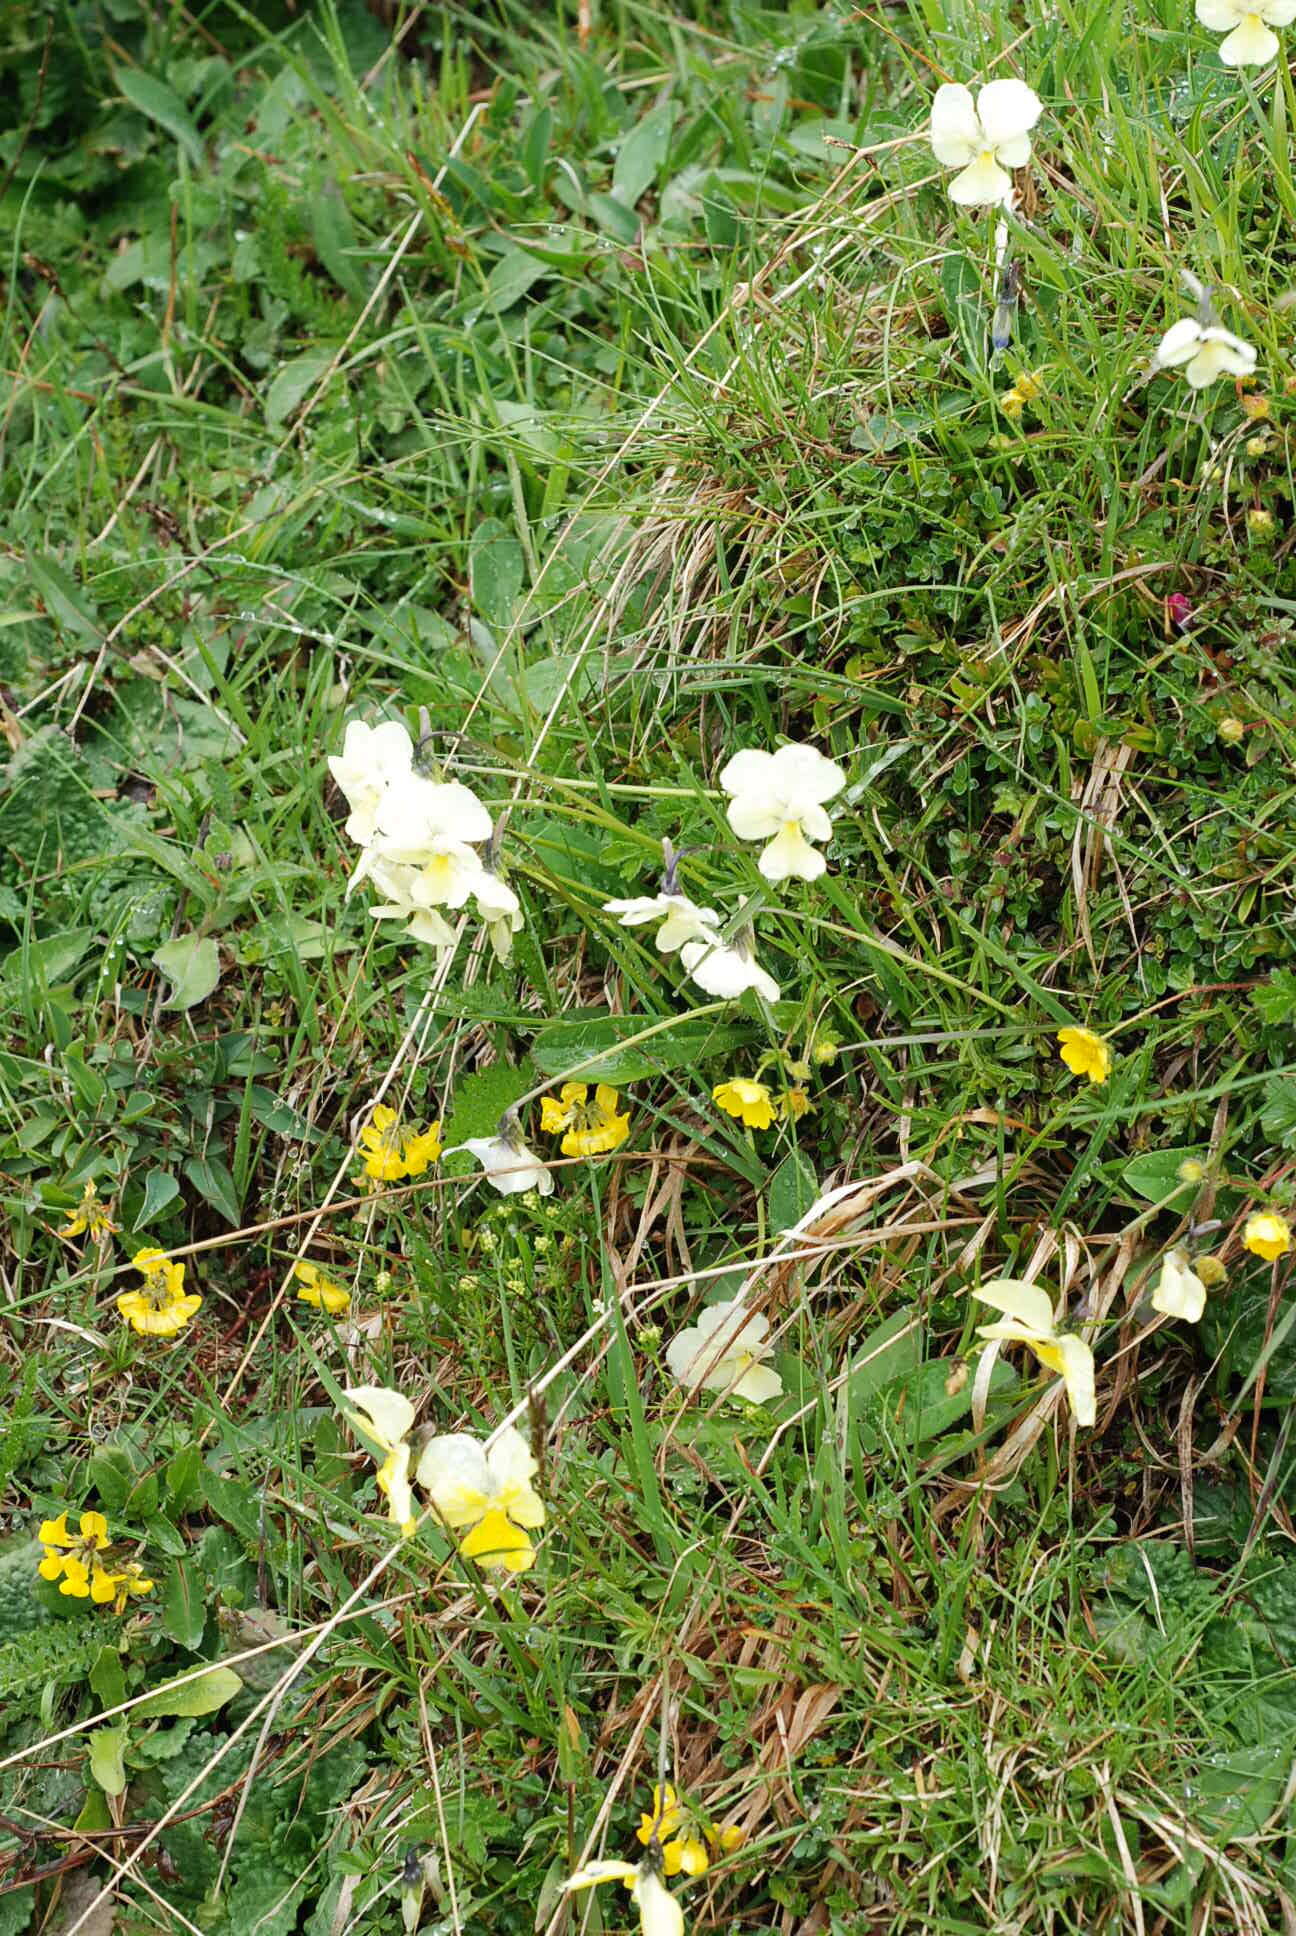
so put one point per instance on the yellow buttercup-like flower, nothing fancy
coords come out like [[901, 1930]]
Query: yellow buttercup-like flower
[[587, 1128], [319, 1290], [751, 1102], [1267, 1235], [391, 1151], [90, 1215], [162, 1307], [1085, 1053]]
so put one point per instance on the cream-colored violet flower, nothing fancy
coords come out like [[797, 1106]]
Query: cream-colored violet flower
[[1028, 1320], [484, 1495], [1250, 43], [372, 757], [681, 919], [1180, 1293], [510, 1167], [779, 798], [983, 138], [728, 969], [1204, 351], [724, 1351], [385, 1417]]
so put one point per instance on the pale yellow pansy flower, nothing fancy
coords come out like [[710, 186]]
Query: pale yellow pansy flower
[[1248, 24], [779, 798], [659, 1913], [725, 1351], [484, 1495], [983, 138], [1028, 1319], [1180, 1293], [386, 1417]]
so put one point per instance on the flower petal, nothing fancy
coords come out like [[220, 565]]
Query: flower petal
[[454, 1472], [1029, 1304], [983, 184], [385, 1414], [955, 130], [1250, 45], [1007, 110]]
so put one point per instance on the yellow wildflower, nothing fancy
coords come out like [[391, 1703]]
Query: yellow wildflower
[[76, 1561], [1267, 1235], [90, 1215], [587, 1128], [391, 1152], [793, 1104], [683, 1851], [1085, 1053], [751, 1102], [162, 1307], [319, 1290]]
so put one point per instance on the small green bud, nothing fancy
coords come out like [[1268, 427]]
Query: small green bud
[[1211, 1272], [1260, 525], [1230, 730], [1191, 1171]]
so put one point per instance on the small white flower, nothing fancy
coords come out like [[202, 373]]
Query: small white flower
[[728, 971], [371, 758], [779, 797], [984, 138], [1250, 42], [1180, 1293], [681, 919], [509, 1165], [723, 1352], [1204, 352]]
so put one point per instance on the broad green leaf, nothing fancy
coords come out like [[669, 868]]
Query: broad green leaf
[[161, 104], [212, 1180], [160, 1189], [202, 1695], [292, 384], [641, 154], [511, 277], [64, 600], [497, 567], [1154, 1176], [334, 236], [564, 1048], [183, 1613], [50, 959], [106, 1746], [108, 1678], [191, 964], [793, 1188]]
